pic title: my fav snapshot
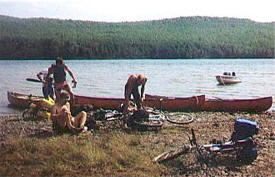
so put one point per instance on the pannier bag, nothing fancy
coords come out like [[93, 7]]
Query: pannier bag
[[244, 128], [248, 154]]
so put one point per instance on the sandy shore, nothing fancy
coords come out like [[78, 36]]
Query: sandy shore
[[207, 125]]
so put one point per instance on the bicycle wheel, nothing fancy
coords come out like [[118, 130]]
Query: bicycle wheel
[[28, 114], [179, 118], [150, 125], [172, 154], [115, 115]]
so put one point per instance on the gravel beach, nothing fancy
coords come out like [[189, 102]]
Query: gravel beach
[[207, 125]]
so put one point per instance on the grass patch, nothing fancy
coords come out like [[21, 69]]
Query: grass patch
[[117, 154]]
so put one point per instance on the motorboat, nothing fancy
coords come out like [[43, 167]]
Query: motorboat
[[228, 78]]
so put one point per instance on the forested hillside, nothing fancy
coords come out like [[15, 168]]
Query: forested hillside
[[185, 37]]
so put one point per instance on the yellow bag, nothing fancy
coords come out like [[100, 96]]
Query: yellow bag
[[43, 115], [46, 103]]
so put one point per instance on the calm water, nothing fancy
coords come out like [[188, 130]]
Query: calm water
[[106, 78]]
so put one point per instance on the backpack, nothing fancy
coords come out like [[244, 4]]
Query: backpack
[[244, 128]]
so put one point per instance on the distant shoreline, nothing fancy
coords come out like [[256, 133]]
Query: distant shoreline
[[193, 37], [136, 59]]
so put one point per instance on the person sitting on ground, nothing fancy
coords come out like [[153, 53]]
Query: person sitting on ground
[[131, 88], [47, 86], [59, 74], [61, 115]]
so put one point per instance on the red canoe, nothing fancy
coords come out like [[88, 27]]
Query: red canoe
[[166, 104], [232, 105], [98, 102], [196, 103], [193, 103], [235, 105], [21, 100]]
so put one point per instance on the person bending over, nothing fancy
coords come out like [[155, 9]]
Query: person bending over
[[131, 88]]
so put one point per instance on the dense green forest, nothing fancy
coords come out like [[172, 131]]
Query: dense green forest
[[184, 37]]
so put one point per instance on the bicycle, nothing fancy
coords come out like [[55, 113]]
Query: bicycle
[[30, 112], [104, 118], [146, 121], [174, 118], [241, 144]]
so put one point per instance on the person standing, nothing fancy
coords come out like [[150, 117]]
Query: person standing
[[47, 84], [59, 70], [131, 88]]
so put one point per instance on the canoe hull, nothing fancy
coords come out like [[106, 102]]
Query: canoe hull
[[21, 100], [193, 103], [166, 104], [238, 105], [231, 105], [98, 102]]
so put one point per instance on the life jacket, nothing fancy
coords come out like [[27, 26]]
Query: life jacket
[[43, 108], [59, 73], [46, 104]]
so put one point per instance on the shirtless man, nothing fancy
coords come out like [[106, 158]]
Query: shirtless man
[[62, 115], [131, 88]]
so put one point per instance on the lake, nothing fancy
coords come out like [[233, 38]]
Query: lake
[[178, 77]]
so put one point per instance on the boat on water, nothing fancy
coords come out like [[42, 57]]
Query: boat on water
[[167, 104], [232, 105], [227, 78]]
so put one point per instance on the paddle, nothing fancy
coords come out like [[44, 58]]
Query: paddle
[[37, 80], [33, 80]]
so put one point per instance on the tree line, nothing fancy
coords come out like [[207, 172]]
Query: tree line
[[184, 37]]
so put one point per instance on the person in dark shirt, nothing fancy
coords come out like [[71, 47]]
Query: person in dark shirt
[[59, 70]]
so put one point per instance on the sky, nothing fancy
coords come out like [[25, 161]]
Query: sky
[[138, 10]]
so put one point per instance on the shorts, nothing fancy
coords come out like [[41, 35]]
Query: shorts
[[61, 85]]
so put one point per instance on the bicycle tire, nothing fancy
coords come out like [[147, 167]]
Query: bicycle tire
[[184, 119], [113, 116], [28, 114], [169, 155]]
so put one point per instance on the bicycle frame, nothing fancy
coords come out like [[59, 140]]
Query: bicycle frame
[[245, 150], [211, 150], [228, 146]]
